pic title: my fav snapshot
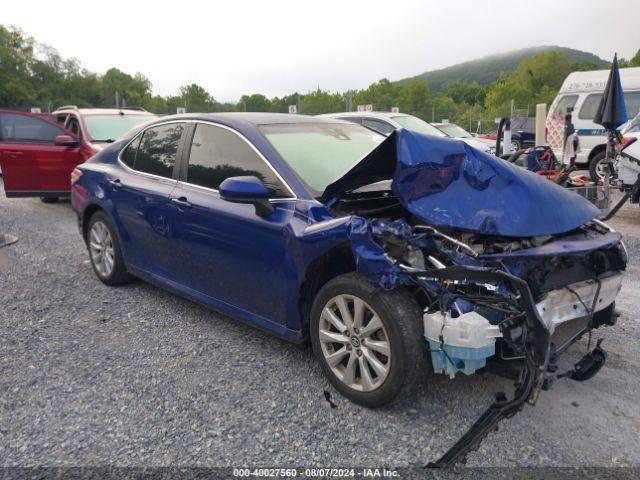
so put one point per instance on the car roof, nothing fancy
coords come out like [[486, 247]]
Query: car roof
[[595, 80], [39, 115], [259, 118], [365, 115], [102, 111], [236, 119]]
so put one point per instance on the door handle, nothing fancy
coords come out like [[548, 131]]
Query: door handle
[[181, 202], [116, 184]]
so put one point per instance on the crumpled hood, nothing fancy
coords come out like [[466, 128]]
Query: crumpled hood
[[446, 183], [475, 143]]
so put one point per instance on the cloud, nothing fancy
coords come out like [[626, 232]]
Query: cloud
[[232, 48]]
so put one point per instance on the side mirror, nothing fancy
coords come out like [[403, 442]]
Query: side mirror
[[247, 190], [66, 141]]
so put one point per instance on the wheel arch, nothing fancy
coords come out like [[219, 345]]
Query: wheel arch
[[87, 212], [331, 264], [596, 150]]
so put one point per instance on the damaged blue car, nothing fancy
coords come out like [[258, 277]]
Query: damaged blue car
[[397, 257]]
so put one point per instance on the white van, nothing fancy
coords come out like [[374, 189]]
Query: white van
[[582, 91]]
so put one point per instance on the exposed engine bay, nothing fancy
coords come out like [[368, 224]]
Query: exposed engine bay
[[511, 306], [509, 269]]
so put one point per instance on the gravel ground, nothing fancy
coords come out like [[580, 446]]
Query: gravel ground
[[135, 376]]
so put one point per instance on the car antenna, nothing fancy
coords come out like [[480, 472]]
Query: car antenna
[[118, 103]]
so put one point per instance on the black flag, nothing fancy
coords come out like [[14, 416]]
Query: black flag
[[612, 112]]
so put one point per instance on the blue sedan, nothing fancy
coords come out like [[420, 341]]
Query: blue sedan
[[394, 255]]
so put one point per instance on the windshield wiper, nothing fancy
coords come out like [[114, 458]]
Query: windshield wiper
[[108, 140]]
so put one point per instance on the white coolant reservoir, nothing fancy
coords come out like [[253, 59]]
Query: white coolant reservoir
[[468, 341]]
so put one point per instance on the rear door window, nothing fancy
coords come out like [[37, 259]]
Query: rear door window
[[155, 151], [217, 154], [25, 129]]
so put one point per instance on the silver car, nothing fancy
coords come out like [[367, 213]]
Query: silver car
[[387, 122]]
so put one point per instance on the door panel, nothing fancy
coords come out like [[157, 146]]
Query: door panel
[[141, 208], [17, 167], [37, 168], [141, 198], [30, 162], [226, 251]]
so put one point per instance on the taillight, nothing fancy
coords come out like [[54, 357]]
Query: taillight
[[75, 175], [626, 142]]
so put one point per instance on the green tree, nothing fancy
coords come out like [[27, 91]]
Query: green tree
[[197, 99], [414, 99], [133, 89], [535, 80], [634, 62], [281, 105], [382, 95], [318, 102], [254, 103]]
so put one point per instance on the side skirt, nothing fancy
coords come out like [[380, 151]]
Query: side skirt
[[251, 319], [36, 193]]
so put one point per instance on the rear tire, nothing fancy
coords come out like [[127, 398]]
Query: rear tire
[[399, 333], [104, 251]]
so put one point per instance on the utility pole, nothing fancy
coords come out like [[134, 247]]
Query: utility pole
[[433, 113]]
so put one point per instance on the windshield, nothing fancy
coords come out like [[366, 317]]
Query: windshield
[[107, 128], [321, 153], [454, 130], [417, 125], [633, 125]]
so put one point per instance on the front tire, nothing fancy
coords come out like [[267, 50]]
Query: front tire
[[104, 251], [596, 169], [368, 341]]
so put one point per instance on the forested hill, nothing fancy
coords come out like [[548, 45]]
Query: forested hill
[[487, 69]]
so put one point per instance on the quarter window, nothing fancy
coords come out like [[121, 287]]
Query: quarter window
[[128, 156], [23, 128], [155, 150], [377, 126], [565, 102], [217, 154], [74, 126]]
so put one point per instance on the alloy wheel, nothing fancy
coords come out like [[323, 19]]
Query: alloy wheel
[[101, 249], [601, 169], [354, 343]]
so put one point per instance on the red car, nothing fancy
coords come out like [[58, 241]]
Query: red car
[[37, 156]]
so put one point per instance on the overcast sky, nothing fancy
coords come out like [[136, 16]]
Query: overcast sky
[[278, 47]]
